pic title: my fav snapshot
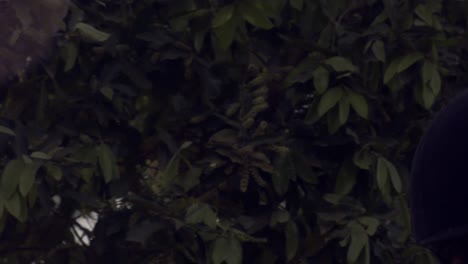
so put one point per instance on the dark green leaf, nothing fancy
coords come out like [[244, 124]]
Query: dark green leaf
[[408, 60], [106, 162], [321, 79], [40, 155], [363, 159], [284, 172], [11, 176], [341, 64], [378, 49], [228, 250], [329, 100], [90, 33], [6, 130], [13, 205], [27, 178], [391, 70], [224, 35], [394, 175], [201, 213], [381, 173], [343, 108], [70, 54], [359, 104], [359, 240], [254, 15], [223, 16], [371, 224], [297, 4], [346, 178], [292, 240], [424, 14]]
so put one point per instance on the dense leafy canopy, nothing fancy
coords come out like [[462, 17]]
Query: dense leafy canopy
[[226, 131]]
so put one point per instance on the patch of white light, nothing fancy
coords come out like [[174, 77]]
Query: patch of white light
[[84, 224]]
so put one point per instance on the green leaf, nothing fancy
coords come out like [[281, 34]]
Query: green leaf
[[408, 60], [378, 49], [297, 4], [90, 33], [346, 178], [254, 16], [436, 82], [292, 240], [70, 54], [32, 195], [2, 206], [382, 173], [40, 155], [363, 159], [321, 79], [6, 130], [106, 162], [428, 97], [224, 35], [391, 70], [394, 175], [223, 16], [431, 77], [341, 64], [424, 13], [279, 216], [284, 171], [343, 108], [329, 100], [27, 178], [201, 213], [304, 171], [10, 177], [227, 250], [54, 171], [371, 224], [107, 91], [359, 104], [333, 120], [199, 40], [13, 206], [359, 240]]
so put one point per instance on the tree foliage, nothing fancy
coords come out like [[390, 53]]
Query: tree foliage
[[226, 131]]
